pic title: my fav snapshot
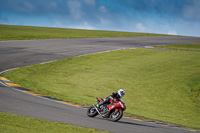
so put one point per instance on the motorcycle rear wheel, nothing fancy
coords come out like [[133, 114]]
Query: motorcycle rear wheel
[[115, 116], [91, 112]]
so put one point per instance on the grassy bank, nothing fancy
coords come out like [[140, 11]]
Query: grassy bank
[[9, 32], [160, 85], [11, 123]]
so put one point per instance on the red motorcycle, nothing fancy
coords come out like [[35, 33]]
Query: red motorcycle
[[113, 111]]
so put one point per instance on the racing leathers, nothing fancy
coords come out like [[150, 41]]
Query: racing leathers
[[114, 96]]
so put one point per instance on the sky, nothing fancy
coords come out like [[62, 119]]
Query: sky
[[175, 17]]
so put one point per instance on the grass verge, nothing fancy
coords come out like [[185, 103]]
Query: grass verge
[[160, 85], [11, 32], [194, 46], [11, 123]]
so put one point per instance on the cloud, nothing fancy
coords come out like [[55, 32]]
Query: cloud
[[104, 21], [21, 6], [33, 7], [75, 8], [191, 10], [83, 25], [140, 27], [59, 25], [156, 16], [172, 32], [103, 9], [90, 2]]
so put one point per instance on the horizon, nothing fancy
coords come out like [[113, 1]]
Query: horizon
[[180, 17]]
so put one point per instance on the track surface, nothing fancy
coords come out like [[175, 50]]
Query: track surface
[[22, 53]]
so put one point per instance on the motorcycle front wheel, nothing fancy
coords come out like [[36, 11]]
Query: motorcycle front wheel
[[91, 112], [115, 116]]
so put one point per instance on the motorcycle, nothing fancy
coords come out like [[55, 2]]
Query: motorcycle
[[112, 111]]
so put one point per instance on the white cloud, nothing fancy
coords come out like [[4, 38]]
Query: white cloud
[[140, 26], [53, 5], [90, 2], [104, 21], [192, 11], [58, 24], [74, 8], [172, 32], [83, 25], [25, 6], [103, 9]]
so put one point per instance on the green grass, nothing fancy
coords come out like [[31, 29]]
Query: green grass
[[9, 32], [160, 85], [194, 46], [11, 123]]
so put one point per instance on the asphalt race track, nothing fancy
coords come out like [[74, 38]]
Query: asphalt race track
[[28, 52]]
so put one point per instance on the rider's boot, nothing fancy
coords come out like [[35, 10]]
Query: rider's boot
[[98, 105]]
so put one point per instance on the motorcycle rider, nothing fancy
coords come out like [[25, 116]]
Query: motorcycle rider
[[115, 96]]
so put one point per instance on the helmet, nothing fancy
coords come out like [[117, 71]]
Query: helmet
[[121, 92]]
